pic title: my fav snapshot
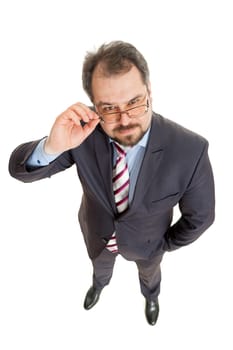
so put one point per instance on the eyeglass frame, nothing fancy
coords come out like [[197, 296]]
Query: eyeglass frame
[[147, 105]]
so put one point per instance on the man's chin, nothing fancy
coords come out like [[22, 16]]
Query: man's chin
[[128, 140]]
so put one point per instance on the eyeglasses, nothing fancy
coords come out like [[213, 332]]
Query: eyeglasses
[[115, 116]]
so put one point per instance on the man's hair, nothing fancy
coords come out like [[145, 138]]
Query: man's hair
[[114, 58]]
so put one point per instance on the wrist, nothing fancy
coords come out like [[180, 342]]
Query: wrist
[[48, 150]]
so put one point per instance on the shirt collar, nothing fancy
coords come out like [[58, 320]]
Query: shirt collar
[[144, 139]]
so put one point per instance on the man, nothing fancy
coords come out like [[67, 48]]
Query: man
[[134, 167]]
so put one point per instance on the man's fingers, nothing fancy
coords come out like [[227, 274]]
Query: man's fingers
[[84, 112], [76, 113], [90, 127]]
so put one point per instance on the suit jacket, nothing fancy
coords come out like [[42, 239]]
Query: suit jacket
[[175, 170]]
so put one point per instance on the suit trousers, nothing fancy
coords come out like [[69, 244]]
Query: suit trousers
[[149, 273]]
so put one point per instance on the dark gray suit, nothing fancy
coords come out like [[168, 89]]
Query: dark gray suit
[[175, 169]]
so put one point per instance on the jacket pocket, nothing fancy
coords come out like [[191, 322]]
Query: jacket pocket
[[168, 197], [165, 203]]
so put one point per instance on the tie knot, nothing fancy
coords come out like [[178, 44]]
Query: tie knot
[[121, 150]]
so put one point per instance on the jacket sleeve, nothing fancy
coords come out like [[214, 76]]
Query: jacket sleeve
[[197, 206], [19, 169]]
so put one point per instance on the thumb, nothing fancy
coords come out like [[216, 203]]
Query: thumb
[[90, 127]]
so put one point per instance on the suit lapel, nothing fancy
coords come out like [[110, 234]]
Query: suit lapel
[[150, 165], [103, 153]]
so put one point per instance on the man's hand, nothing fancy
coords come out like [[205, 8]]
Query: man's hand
[[67, 131]]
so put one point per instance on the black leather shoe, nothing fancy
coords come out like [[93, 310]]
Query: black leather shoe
[[91, 298], [152, 311]]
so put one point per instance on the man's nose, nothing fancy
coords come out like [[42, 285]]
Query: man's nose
[[125, 119]]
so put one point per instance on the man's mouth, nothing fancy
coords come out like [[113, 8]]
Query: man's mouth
[[123, 129]]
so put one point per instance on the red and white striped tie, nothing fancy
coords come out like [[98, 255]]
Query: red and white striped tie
[[120, 183]]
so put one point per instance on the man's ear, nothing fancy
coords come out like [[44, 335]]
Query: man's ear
[[149, 90]]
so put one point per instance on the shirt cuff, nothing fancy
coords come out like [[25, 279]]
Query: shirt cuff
[[39, 157]]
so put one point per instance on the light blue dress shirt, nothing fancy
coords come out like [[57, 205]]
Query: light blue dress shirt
[[134, 159]]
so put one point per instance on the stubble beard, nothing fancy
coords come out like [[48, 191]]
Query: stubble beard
[[132, 139]]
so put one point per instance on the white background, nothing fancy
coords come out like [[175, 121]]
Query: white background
[[44, 268]]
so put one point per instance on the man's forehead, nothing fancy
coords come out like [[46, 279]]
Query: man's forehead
[[117, 89]]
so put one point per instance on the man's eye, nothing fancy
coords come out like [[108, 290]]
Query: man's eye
[[108, 109], [133, 102]]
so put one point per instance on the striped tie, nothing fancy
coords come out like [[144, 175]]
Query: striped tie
[[120, 182]]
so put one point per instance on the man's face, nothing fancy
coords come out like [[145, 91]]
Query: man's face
[[120, 93]]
